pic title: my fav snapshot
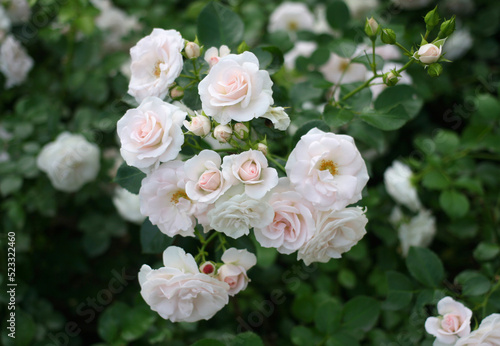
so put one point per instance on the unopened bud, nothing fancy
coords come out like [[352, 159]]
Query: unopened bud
[[435, 70], [240, 130], [388, 36], [199, 125], [447, 28], [429, 53], [223, 133], [371, 28], [192, 50], [262, 147], [176, 93], [431, 19], [391, 78], [207, 268]]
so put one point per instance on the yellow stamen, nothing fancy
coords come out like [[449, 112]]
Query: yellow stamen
[[178, 195], [328, 166], [293, 26], [157, 69]]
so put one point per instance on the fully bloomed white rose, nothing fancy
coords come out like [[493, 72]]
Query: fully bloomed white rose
[[213, 55], [397, 180], [293, 222], [300, 48], [235, 267], [128, 205], [452, 324], [235, 89], [336, 233], [488, 333], [278, 116], [15, 63], [291, 17], [70, 161], [164, 200], [151, 133], [156, 63], [342, 70], [205, 182], [419, 231], [179, 292], [235, 213], [327, 169], [250, 168]]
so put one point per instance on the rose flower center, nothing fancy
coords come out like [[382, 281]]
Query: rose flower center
[[325, 165], [157, 69], [178, 195]]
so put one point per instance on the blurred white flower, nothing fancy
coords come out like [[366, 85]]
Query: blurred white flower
[[452, 324], [327, 169], [19, 11], [488, 333], [213, 55], [15, 63], [70, 161], [4, 23], [361, 8], [336, 233], [459, 7], [342, 70], [458, 44], [291, 17], [156, 63], [128, 205], [235, 89], [397, 180], [179, 292], [300, 48], [411, 4], [235, 267], [419, 231]]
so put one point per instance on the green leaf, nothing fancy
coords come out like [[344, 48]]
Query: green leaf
[[472, 185], [425, 266], [454, 203], [338, 15], [388, 120], [435, 180], [365, 133], [303, 308], [403, 95], [336, 117], [218, 25], [153, 241], [347, 278], [129, 178], [361, 100], [305, 91], [446, 142], [399, 291], [270, 58], [110, 321], [343, 47], [341, 339], [303, 336], [328, 315], [476, 285], [367, 60], [10, 184], [247, 339], [137, 322], [208, 342], [486, 251], [488, 107], [96, 243], [361, 313], [307, 127]]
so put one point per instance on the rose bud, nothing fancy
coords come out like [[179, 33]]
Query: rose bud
[[371, 28], [200, 125], [192, 50], [240, 130], [262, 147], [222, 133], [391, 78], [429, 53], [176, 93]]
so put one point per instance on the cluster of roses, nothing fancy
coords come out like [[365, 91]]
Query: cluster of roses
[[452, 326], [305, 212]]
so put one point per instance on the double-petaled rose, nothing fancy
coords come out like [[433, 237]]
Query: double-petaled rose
[[452, 323], [235, 267]]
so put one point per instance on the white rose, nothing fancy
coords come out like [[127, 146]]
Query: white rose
[[235, 267], [156, 63], [192, 50], [458, 44], [151, 133], [293, 222], [205, 182], [360, 8], [235, 213], [128, 205], [336, 233], [277, 115], [411, 4], [179, 292], [327, 169], [488, 333], [235, 89], [213, 55], [15, 63], [19, 11], [70, 161], [301, 48], [397, 180], [429, 53], [250, 168], [418, 232], [199, 125], [291, 17], [341, 70], [164, 200], [453, 322]]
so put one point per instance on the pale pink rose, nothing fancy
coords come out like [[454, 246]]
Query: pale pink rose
[[156, 63], [213, 55], [429, 53], [151, 133], [179, 292], [488, 333], [327, 169], [199, 125], [291, 17], [235, 267], [251, 169], [205, 182], [235, 89], [164, 200], [293, 222], [336, 233], [452, 324]]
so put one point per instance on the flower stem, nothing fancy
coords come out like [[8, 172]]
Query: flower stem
[[276, 163]]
